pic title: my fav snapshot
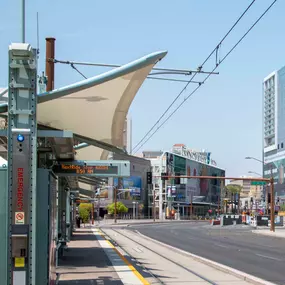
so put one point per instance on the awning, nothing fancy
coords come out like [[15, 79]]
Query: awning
[[97, 107]]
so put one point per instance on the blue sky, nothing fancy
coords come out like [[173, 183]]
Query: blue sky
[[224, 116]]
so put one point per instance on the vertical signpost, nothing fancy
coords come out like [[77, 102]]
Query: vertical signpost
[[22, 161]]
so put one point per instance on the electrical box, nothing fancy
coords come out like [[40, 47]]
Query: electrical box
[[19, 245]]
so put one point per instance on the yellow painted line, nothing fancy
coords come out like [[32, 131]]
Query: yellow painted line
[[145, 282]]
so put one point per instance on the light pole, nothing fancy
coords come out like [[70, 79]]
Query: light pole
[[134, 209], [178, 217], [272, 204]]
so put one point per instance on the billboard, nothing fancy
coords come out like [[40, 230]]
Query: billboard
[[131, 186], [208, 188]]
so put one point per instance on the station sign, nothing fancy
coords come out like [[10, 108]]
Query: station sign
[[85, 169], [100, 168]]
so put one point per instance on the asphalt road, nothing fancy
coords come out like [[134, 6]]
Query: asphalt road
[[237, 247]]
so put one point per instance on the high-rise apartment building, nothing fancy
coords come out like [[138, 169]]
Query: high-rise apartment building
[[274, 128]]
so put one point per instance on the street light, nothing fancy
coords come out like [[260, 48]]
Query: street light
[[253, 172], [250, 157], [272, 210]]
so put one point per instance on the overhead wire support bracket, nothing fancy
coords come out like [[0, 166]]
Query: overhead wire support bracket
[[171, 70]]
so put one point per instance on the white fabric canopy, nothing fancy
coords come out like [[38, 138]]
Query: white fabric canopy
[[97, 107]]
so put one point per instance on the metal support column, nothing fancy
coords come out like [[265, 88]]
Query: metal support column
[[161, 191], [67, 217], [22, 164]]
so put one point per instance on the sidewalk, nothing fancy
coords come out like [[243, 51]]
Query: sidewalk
[[85, 262], [279, 232], [91, 259]]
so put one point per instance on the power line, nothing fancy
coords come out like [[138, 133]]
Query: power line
[[230, 51], [185, 87]]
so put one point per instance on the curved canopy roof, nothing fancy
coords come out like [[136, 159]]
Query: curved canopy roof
[[96, 108]]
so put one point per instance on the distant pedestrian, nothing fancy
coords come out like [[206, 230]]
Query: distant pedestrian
[[78, 221]]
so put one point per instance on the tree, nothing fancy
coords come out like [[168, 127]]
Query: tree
[[234, 189], [87, 206], [84, 211], [84, 214], [121, 208]]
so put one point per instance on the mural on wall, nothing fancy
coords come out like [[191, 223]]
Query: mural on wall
[[210, 189]]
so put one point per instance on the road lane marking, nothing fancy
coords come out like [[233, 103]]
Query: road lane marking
[[221, 245], [269, 257]]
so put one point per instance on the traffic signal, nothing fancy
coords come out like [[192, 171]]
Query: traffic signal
[[164, 174], [177, 179], [268, 198], [149, 177]]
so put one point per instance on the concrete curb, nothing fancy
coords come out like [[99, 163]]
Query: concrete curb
[[242, 275], [149, 223], [265, 233]]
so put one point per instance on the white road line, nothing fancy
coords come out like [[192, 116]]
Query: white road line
[[221, 245], [269, 257]]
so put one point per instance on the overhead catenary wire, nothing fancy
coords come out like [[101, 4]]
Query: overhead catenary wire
[[199, 68], [229, 52]]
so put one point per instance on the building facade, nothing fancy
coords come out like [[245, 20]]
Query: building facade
[[274, 128], [181, 161]]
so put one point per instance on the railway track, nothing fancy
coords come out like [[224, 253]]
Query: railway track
[[159, 279]]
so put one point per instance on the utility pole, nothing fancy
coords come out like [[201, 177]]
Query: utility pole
[[50, 47], [272, 212], [191, 205], [153, 206]]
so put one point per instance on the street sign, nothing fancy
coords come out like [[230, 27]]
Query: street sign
[[256, 183]]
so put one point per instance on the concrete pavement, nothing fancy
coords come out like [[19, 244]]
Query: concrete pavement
[[279, 232], [170, 266]]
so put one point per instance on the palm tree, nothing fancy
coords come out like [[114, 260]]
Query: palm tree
[[234, 189]]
